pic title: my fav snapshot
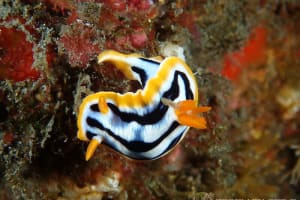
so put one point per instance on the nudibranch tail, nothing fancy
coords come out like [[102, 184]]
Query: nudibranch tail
[[188, 113], [94, 143], [133, 66], [119, 60]]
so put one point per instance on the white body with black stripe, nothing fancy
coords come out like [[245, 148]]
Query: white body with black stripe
[[139, 125]]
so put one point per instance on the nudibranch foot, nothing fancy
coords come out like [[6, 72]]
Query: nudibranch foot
[[188, 113], [94, 143]]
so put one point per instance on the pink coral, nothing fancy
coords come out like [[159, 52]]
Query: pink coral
[[138, 38], [79, 46], [61, 6], [122, 5]]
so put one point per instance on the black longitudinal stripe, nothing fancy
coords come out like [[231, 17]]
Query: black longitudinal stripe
[[134, 146], [171, 145], [90, 135], [95, 108], [150, 61], [149, 118], [188, 92], [156, 114], [142, 74]]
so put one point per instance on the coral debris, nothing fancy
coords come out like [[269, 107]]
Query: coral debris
[[245, 55]]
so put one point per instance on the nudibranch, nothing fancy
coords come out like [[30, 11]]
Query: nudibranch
[[147, 124]]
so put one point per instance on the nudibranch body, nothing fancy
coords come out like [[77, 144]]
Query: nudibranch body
[[147, 124]]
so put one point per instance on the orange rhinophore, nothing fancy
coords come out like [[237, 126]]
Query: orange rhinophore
[[188, 113]]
